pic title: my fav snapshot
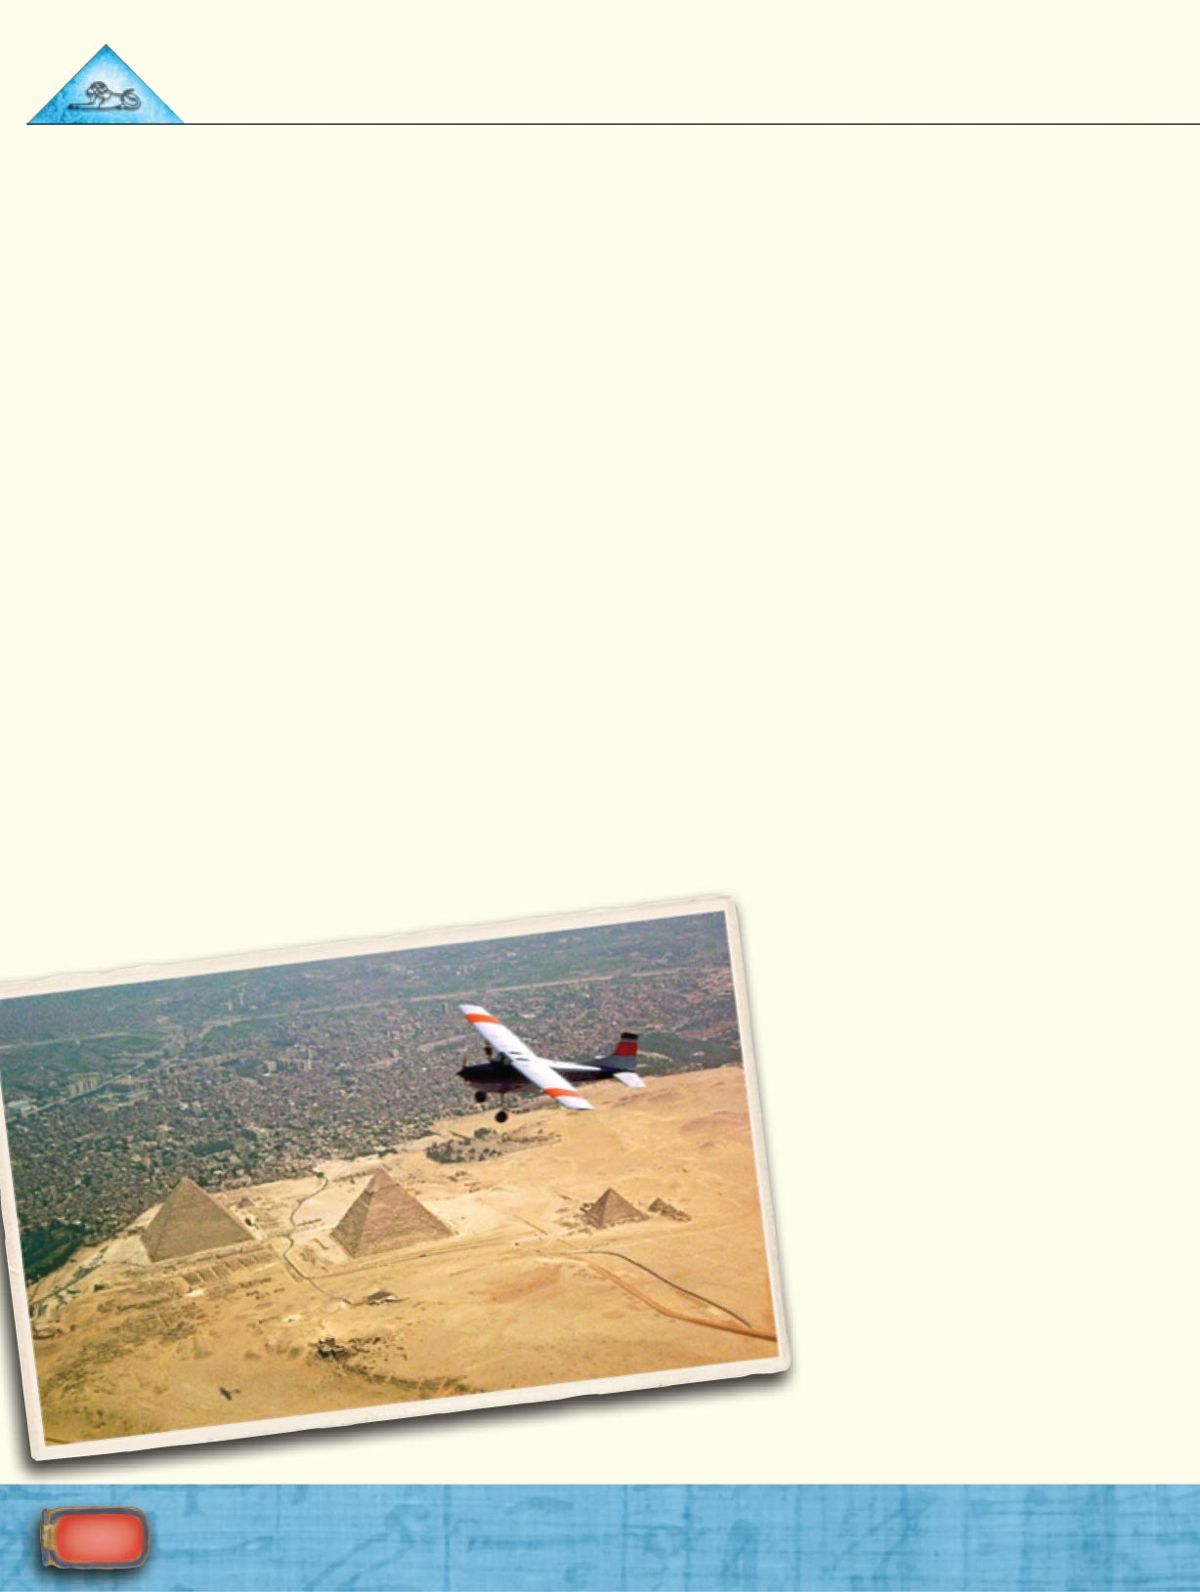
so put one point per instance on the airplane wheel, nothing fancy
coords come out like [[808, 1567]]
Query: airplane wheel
[[480, 1097], [502, 1116]]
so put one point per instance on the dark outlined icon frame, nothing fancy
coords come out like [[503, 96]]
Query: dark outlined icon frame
[[94, 1537]]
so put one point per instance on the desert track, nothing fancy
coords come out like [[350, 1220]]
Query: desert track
[[704, 1300], [738, 1326], [679, 1315]]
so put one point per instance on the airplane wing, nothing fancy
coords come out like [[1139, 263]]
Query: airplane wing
[[538, 1072], [553, 1083]]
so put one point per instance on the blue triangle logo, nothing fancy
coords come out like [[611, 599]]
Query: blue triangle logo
[[105, 93]]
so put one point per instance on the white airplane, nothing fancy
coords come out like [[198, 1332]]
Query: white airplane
[[511, 1065]]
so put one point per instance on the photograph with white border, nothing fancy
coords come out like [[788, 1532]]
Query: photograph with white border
[[360, 1181]]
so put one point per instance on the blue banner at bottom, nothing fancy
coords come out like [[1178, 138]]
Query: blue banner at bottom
[[630, 1539]]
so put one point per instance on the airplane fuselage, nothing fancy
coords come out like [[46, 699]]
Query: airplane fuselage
[[498, 1077], [494, 1077]]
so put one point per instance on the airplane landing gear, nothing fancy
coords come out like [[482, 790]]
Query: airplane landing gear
[[502, 1116], [480, 1096]]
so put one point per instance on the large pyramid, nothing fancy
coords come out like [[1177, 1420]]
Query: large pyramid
[[190, 1220], [611, 1209], [385, 1216]]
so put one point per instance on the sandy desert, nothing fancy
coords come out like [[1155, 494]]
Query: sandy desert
[[625, 1242]]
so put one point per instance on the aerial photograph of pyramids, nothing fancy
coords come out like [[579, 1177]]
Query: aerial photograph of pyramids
[[418, 1178]]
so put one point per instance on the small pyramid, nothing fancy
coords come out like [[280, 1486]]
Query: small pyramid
[[188, 1221], [611, 1209], [385, 1216], [662, 1207]]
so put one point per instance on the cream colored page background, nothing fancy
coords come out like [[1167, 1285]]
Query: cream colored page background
[[634, 59], [424, 527]]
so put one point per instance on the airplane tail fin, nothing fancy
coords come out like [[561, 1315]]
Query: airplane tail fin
[[620, 1063]]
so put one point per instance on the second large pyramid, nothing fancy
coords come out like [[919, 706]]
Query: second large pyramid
[[385, 1216]]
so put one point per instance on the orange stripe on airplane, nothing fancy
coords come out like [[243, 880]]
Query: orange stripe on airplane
[[478, 1017], [573, 1094]]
